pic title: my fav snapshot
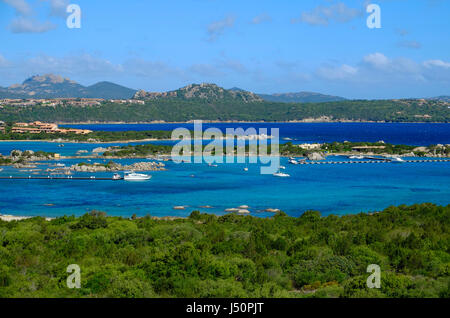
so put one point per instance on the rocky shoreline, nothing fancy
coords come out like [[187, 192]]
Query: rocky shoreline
[[114, 167]]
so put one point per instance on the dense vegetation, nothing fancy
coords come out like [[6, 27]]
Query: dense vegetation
[[102, 136], [137, 150], [230, 256], [176, 109], [345, 147], [290, 149], [17, 156]]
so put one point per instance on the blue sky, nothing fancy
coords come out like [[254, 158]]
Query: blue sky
[[262, 46]]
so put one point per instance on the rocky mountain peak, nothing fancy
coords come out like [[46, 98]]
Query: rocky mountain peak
[[205, 91]]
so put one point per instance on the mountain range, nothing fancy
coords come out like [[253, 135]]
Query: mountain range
[[54, 86]]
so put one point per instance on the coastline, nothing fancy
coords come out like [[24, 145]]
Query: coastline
[[10, 218], [86, 142], [108, 142], [304, 121]]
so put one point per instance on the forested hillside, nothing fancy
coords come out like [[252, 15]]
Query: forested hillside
[[230, 256], [178, 109]]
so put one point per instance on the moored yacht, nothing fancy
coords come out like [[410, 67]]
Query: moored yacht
[[132, 176]]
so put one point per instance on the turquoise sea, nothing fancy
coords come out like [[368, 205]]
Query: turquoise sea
[[331, 189]]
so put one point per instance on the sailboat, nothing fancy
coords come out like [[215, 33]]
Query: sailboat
[[281, 174]]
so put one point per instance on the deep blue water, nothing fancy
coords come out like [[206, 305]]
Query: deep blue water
[[397, 133], [337, 189]]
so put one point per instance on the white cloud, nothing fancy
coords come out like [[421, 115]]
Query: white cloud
[[234, 65], [58, 7], [207, 70], [217, 28], [323, 15], [436, 63], [3, 61], [264, 17], [377, 68], [374, 71], [26, 21], [21, 6], [337, 72], [377, 60], [30, 25], [410, 44]]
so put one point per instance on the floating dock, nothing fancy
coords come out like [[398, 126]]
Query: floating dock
[[93, 178], [375, 160], [59, 178]]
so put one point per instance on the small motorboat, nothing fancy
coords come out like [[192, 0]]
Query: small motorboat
[[281, 175], [245, 169], [397, 160], [293, 161]]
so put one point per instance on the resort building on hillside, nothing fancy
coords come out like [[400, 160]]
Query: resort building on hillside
[[2, 126], [38, 127]]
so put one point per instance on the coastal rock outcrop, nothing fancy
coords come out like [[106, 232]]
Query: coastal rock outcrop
[[99, 150], [112, 166], [316, 156]]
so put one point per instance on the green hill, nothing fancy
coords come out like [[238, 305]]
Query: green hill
[[230, 256], [301, 97], [177, 109]]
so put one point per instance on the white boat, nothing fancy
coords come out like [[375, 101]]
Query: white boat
[[281, 174], [117, 176], [397, 160], [245, 169], [282, 167], [356, 157], [132, 176], [293, 162]]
